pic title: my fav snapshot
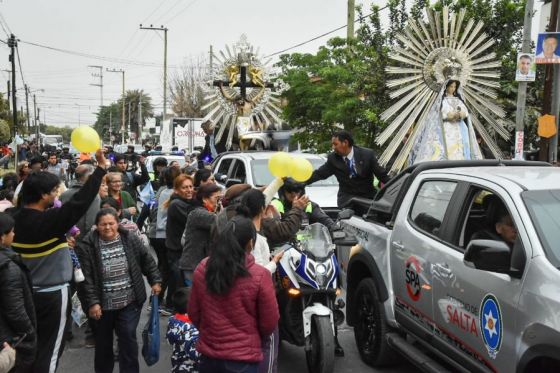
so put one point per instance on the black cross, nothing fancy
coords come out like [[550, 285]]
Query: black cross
[[242, 84]]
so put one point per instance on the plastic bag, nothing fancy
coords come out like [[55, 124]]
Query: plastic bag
[[78, 314], [150, 335]]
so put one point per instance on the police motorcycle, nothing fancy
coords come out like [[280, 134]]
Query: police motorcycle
[[307, 282]]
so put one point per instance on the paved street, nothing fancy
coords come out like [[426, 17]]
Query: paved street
[[77, 358]]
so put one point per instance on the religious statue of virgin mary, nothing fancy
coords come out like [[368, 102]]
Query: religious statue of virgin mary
[[444, 78], [448, 133]]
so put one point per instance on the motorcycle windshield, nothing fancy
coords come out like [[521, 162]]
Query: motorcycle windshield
[[316, 240]]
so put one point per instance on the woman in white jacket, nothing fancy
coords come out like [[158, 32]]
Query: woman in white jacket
[[253, 206]]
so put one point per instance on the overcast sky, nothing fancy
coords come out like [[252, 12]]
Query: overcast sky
[[110, 29]]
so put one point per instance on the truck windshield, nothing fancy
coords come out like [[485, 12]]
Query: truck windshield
[[52, 140], [543, 206], [262, 176]]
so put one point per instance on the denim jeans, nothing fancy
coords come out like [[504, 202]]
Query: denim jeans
[[124, 322], [211, 365]]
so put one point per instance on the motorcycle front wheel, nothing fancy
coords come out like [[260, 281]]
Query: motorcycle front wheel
[[320, 357]]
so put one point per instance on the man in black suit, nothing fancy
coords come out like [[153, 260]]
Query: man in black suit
[[211, 148], [353, 167]]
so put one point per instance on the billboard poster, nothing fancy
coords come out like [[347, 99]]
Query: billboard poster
[[526, 67], [187, 133], [547, 49]]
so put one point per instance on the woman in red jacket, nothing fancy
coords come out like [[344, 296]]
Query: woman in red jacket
[[233, 303]]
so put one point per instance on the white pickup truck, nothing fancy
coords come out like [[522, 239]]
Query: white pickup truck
[[458, 268]]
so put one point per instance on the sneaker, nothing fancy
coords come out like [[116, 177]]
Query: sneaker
[[164, 311]]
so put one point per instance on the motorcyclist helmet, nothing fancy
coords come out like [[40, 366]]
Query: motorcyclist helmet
[[291, 186], [160, 161]]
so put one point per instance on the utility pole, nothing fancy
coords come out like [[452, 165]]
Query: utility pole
[[123, 98], [553, 152], [110, 126], [140, 121], [211, 60], [164, 29], [36, 121], [129, 128], [27, 109], [351, 20], [522, 88], [100, 84], [548, 82], [12, 43]]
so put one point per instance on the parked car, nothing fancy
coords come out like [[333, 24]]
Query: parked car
[[122, 148], [170, 158], [252, 168], [462, 259]]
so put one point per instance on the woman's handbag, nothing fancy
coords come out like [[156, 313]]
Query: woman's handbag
[[150, 334]]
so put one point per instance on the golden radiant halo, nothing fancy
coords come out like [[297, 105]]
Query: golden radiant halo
[[225, 105]]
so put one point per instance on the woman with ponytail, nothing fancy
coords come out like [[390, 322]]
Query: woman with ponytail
[[179, 206], [233, 302]]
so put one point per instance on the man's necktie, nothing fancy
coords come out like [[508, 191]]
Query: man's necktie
[[350, 167]]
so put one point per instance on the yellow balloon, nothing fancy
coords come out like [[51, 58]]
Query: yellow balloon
[[279, 164], [85, 139], [301, 169]]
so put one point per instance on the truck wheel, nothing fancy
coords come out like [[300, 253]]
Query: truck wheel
[[370, 328], [320, 358]]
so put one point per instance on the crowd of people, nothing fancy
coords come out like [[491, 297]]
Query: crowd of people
[[87, 234], [90, 232]]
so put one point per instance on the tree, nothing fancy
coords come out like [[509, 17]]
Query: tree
[[65, 131], [341, 85], [5, 135], [346, 85], [114, 112], [186, 95]]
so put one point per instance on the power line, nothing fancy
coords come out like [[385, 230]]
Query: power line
[[164, 14], [97, 57], [180, 12], [155, 10], [323, 35], [5, 27], [19, 63]]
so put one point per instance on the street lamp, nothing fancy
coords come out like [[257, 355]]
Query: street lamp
[[35, 114]]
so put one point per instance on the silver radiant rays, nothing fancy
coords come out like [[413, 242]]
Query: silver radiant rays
[[447, 46]]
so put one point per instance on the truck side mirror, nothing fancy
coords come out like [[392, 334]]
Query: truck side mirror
[[231, 182], [220, 178], [489, 255]]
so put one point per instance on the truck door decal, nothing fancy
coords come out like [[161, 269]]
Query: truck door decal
[[412, 278], [491, 324]]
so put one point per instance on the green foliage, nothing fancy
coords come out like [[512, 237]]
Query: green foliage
[[341, 85], [65, 132], [109, 118], [345, 85], [4, 131]]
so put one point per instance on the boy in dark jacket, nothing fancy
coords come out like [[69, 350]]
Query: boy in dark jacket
[[17, 313], [40, 239], [182, 335]]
